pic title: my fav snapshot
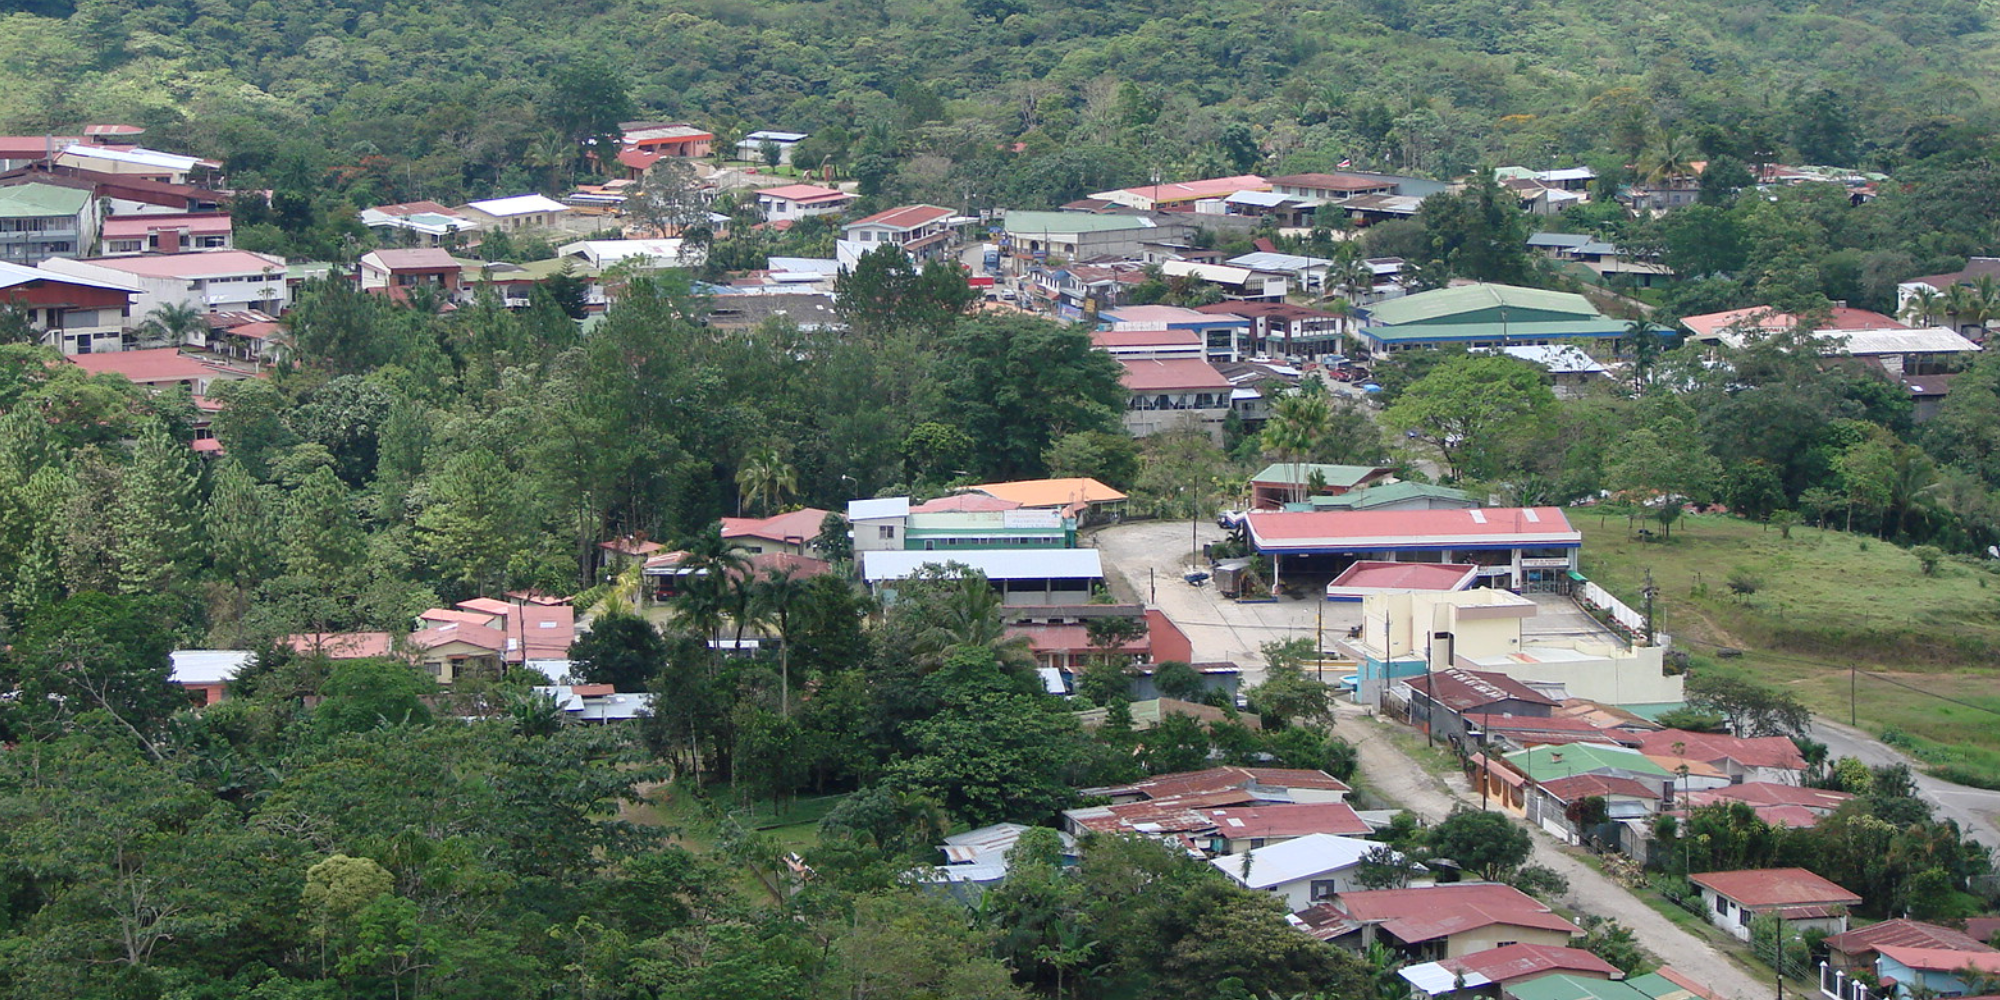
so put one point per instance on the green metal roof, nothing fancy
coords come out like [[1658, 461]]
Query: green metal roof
[[1302, 472], [1069, 222], [1548, 763], [24, 200], [1657, 986], [1564, 987], [1430, 306]]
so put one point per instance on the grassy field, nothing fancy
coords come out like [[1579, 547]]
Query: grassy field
[[695, 822], [1827, 600]]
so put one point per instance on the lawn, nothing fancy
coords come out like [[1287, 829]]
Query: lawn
[[695, 821], [1825, 601]]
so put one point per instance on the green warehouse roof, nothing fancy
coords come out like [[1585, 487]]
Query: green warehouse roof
[[23, 200], [1426, 307], [1302, 472], [1549, 763], [1369, 497]]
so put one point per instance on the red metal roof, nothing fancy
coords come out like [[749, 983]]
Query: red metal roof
[[1903, 932], [1583, 786], [906, 218], [415, 208], [1105, 339], [1331, 182], [1288, 819], [456, 615], [196, 223], [1404, 576], [1769, 888], [198, 264], [1171, 374], [1943, 959], [342, 645], [1368, 528], [1070, 639], [1462, 690], [491, 639], [800, 525], [162, 364], [1515, 961], [1763, 751], [964, 503], [1414, 916], [1770, 793]]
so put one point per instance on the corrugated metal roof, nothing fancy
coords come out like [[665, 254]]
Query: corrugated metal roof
[[1029, 564]]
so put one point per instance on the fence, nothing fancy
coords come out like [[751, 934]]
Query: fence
[[1622, 618], [1835, 985]]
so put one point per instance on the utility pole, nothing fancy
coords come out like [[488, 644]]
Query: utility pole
[[1853, 671]]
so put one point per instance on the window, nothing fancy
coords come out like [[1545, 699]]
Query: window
[[886, 531], [1721, 905], [1323, 888]]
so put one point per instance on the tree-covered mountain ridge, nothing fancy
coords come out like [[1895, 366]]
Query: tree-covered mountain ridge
[[456, 88]]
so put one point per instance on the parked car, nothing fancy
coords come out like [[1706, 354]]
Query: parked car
[[1229, 520]]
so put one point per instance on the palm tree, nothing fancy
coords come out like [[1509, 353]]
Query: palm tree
[[710, 562], [171, 325], [774, 596], [1298, 424], [765, 476], [1962, 303], [1924, 307], [1670, 157]]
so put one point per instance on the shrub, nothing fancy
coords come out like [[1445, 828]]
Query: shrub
[[1744, 581]]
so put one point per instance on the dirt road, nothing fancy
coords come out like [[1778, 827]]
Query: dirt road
[[1394, 776]]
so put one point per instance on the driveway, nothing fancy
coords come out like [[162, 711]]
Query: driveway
[[1393, 776], [1144, 560]]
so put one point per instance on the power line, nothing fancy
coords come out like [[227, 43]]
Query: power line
[[1866, 673]]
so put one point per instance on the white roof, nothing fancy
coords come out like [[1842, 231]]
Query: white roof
[[209, 666], [556, 671], [1262, 199], [1926, 340], [1052, 680], [597, 708], [138, 157], [604, 253], [1567, 174], [1559, 359], [1434, 979], [762, 134], [1264, 261], [996, 564], [1218, 273], [520, 204], [19, 274], [1300, 857], [804, 265], [879, 507]]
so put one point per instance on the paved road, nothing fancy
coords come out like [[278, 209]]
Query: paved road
[[1392, 774], [1976, 810]]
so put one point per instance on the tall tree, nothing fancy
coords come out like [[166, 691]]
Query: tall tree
[[1465, 406], [154, 520]]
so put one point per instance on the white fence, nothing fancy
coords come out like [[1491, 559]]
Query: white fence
[[1600, 600], [1837, 986]]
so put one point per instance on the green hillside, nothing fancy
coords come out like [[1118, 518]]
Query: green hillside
[[465, 96]]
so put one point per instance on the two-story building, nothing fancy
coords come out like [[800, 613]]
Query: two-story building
[[792, 202], [675, 139], [752, 146], [208, 281], [1034, 237], [520, 212], [1171, 394], [396, 273], [1225, 336], [923, 232], [149, 233], [40, 221], [74, 315]]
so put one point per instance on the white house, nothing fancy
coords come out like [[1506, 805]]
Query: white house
[[751, 147], [921, 231], [877, 524], [1803, 900], [650, 253], [525, 211], [1301, 871], [791, 202], [209, 281], [75, 315]]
